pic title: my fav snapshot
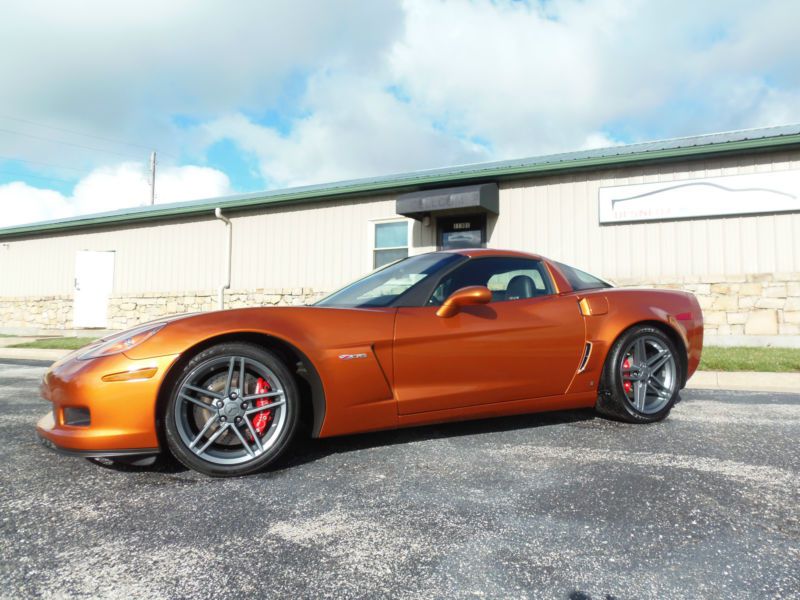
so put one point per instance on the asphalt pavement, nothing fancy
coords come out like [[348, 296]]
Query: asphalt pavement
[[562, 505]]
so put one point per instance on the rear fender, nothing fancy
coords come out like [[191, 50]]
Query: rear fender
[[677, 313]]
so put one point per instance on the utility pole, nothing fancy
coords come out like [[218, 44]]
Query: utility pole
[[152, 177]]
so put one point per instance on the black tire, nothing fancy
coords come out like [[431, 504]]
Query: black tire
[[617, 402], [182, 418]]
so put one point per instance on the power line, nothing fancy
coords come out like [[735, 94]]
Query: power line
[[37, 137], [74, 145], [65, 130], [36, 162], [27, 176], [73, 131]]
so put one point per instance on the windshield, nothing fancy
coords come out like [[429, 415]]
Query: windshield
[[384, 286]]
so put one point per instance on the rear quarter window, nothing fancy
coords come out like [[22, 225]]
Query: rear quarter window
[[581, 280]]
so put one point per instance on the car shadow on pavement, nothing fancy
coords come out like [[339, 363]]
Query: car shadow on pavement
[[308, 450]]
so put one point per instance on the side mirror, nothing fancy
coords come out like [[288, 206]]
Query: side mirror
[[473, 294]]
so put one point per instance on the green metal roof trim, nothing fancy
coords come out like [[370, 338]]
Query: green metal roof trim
[[688, 147]]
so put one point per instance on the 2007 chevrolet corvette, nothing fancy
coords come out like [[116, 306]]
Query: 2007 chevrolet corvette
[[436, 337]]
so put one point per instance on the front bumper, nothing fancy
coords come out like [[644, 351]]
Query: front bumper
[[133, 453], [121, 414]]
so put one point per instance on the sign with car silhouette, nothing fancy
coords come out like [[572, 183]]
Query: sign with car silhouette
[[710, 196]]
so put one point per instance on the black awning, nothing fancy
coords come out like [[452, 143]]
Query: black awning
[[478, 198]]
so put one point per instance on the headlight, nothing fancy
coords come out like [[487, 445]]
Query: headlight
[[122, 341]]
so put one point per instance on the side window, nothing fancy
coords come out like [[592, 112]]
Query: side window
[[508, 278], [391, 243]]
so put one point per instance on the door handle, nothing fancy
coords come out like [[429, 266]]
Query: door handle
[[77, 287]]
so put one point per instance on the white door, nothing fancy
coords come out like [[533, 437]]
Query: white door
[[94, 278]]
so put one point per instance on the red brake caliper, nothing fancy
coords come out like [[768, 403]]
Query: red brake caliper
[[262, 419], [626, 385]]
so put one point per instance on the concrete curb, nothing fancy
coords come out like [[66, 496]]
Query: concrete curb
[[32, 353], [13, 341], [745, 380]]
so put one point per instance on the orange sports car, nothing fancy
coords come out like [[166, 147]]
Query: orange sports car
[[443, 336]]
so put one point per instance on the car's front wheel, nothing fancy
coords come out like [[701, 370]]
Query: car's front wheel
[[233, 410], [642, 376]]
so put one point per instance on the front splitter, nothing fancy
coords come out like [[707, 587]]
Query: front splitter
[[141, 456]]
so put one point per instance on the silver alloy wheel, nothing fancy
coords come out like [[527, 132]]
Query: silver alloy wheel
[[648, 374], [216, 404]]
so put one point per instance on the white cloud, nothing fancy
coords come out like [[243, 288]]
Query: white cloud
[[598, 139], [126, 69], [355, 128], [22, 203], [528, 79], [108, 188], [533, 82], [379, 86]]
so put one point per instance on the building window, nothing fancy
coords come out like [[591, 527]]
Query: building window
[[391, 242]]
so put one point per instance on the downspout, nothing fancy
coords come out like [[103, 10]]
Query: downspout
[[228, 246]]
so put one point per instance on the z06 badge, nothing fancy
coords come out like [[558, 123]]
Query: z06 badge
[[352, 356]]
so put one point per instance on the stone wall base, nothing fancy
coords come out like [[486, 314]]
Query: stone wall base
[[763, 306], [42, 314], [129, 310], [19, 315]]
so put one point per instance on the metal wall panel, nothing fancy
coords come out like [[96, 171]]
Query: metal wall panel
[[173, 257], [323, 245], [319, 246], [558, 217]]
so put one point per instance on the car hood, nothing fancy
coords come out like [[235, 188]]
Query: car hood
[[290, 323]]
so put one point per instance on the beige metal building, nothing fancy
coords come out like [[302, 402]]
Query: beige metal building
[[718, 215]]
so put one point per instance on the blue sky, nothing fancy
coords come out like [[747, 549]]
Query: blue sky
[[239, 97]]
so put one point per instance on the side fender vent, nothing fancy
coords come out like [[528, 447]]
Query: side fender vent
[[587, 352]]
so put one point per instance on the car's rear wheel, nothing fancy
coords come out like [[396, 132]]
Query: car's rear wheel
[[642, 376], [233, 410]]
